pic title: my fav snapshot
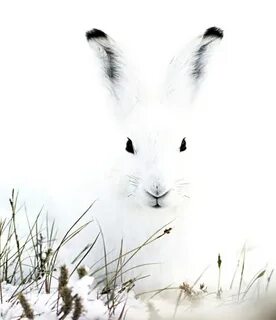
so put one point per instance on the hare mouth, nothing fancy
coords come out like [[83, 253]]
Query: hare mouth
[[157, 205]]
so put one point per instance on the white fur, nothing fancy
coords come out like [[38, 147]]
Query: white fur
[[156, 127], [125, 211]]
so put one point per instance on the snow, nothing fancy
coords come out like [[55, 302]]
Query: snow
[[201, 306], [94, 307]]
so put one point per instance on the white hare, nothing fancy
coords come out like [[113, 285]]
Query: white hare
[[149, 186], [148, 190]]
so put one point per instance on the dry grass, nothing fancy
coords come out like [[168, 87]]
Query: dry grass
[[30, 261]]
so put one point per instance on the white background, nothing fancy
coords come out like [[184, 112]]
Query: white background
[[54, 131]]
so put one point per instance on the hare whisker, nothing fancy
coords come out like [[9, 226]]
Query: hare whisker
[[133, 182], [133, 177]]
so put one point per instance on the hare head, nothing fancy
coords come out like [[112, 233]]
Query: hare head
[[156, 143]]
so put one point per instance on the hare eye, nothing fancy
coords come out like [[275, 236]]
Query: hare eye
[[183, 145], [129, 146]]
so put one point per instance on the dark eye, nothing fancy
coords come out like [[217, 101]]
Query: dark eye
[[129, 146], [183, 145]]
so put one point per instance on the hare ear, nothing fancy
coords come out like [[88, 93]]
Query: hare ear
[[118, 78], [187, 70]]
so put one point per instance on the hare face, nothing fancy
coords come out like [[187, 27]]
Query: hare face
[[154, 165], [155, 161]]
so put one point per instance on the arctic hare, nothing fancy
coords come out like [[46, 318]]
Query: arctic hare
[[149, 189]]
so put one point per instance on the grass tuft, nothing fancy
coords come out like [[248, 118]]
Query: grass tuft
[[78, 308], [67, 299], [82, 272], [28, 311], [63, 278]]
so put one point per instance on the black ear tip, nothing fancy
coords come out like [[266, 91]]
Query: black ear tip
[[213, 32], [94, 34]]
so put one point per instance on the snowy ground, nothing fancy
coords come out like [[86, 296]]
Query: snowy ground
[[42, 304], [45, 306]]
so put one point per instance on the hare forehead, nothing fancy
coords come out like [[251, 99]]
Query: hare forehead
[[157, 125]]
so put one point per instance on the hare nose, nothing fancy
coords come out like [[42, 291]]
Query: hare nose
[[156, 194]]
